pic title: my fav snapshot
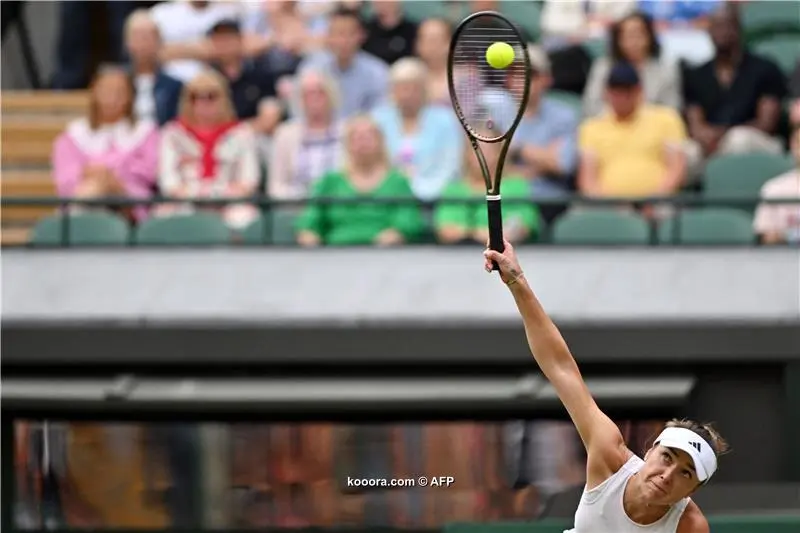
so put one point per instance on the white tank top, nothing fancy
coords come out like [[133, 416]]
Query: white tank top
[[601, 510]]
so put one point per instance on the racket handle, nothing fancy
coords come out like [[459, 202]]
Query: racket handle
[[495, 226]]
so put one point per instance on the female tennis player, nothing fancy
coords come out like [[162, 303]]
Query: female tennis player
[[623, 492]]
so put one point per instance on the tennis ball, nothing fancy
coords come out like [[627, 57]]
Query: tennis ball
[[500, 55]]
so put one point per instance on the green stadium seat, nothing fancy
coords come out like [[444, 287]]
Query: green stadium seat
[[784, 50], [740, 177], [770, 16], [596, 47], [420, 10], [527, 14], [84, 229], [254, 233], [283, 230], [571, 99], [600, 226], [280, 228], [185, 229], [706, 226]]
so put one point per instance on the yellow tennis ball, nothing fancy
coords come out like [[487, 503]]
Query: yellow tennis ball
[[500, 55]]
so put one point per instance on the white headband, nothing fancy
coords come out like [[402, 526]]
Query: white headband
[[703, 456]]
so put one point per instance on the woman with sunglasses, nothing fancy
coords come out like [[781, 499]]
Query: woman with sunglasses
[[208, 153]]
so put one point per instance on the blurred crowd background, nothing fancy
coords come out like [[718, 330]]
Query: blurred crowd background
[[296, 100], [88, 475]]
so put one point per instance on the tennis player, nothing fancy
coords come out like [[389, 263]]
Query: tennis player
[[623, 492]]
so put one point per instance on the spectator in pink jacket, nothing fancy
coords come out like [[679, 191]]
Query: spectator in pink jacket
[[108, 153]]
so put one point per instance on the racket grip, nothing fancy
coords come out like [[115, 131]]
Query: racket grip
[[495, 226]]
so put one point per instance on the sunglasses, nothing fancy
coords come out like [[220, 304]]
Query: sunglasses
[[207, 96]]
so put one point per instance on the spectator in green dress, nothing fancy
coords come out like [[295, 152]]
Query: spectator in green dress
[[366, 174], [463, 223]]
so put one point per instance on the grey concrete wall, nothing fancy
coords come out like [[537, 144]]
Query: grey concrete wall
[[436, 285]]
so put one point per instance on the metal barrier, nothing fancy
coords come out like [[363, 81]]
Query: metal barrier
[[268, 205]]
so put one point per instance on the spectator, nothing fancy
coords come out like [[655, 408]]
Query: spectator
[[780, 223], [247, 83], [635, 150], [279, 34], [565, 24], [367, 173], [207, 152], [271, 113], [310, 144], [157, 93], [183, 25], [109, 152], [362, 78], [734, 100], [457, 222], [433, 46], [633, 40], [423, 140], [544, 148], [390, 36], [681, 28]]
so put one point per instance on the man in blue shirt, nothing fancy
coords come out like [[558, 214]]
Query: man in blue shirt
[[544, 147], [363, 79]]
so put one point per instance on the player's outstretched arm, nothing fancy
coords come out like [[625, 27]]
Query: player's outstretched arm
[[604, 443]]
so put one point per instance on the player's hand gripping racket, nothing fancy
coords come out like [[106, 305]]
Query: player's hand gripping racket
[[489, 100]]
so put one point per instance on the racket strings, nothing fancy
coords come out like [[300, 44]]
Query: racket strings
[[489, 99]]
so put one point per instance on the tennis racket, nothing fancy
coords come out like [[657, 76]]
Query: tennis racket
[[488, 101]]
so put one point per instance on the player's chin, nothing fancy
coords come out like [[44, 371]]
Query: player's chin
[[657, 495]]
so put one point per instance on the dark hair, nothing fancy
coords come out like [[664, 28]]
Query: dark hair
[[705, 430], [104, 70], [616, 34], [345, 12]]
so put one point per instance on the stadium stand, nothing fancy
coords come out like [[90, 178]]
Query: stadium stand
[[278, 61]]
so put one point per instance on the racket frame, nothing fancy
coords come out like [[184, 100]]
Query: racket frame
[[493, 198]]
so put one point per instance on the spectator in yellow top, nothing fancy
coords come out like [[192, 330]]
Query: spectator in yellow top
[[634, 149]]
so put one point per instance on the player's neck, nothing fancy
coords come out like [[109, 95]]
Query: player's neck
[[637, 507]]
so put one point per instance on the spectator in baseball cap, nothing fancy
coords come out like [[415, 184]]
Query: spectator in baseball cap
[[250, 84], [635, 149]]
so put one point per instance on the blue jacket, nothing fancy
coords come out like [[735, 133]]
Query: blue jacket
[[167, 93]]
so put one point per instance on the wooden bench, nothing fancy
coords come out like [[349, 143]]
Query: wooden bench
[[21, 183], [14, 236], [31, 121], [64, 102], [28, 141]]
